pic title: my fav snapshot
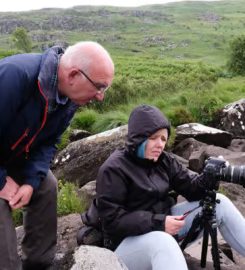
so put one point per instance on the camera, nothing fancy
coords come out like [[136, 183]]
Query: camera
[[217, 169]]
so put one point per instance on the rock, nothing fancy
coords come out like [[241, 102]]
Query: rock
[[232, 118], [203, 134], [236, 193], [209, 17], [66, 243], [95, 258], [88, 192], [237, 145], [197, 158], [186, 147], [239, 259], [79, 161], [194, 263]]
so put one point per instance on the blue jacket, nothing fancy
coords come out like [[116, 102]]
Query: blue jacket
[[32, 115]]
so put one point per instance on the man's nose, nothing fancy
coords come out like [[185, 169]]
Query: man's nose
[[99, 96]]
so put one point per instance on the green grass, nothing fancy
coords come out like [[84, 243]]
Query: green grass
[[84, 119], [68, 202], [17, 217], [184, 91], [109, 121]]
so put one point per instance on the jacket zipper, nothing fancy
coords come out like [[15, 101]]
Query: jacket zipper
[[24, 135], [27, 147]]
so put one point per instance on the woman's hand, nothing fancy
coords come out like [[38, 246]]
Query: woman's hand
[[173, 224]]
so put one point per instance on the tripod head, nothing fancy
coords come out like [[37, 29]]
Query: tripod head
[[208, 204]]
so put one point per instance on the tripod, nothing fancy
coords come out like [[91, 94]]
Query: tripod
[[205, 220]]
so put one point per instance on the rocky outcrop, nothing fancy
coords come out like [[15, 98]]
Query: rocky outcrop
[[210, 17], [68, 227], [186, 147], [237, 145], [232, 119], [197, 158], [203, 134], [88, 192], [79, 161], [51, 22]]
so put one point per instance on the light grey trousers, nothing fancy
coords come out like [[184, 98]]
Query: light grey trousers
[[40, 226], [159, 250]]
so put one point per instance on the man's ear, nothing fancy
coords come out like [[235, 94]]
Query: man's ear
[[72, 75]]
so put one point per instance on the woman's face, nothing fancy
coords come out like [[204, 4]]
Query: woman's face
[[156, 144]]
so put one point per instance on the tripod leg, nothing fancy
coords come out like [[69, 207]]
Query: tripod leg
[[204, 246], [215, 248]]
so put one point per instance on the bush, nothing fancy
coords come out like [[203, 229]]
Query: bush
[[236, 62], [68, 200], [84, 119], [205, 108], [180, 115], [22, 40]]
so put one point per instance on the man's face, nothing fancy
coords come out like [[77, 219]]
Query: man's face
[[82, 88], [156, 144], [82, 91]]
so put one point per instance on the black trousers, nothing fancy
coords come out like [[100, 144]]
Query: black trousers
[[40, 227]]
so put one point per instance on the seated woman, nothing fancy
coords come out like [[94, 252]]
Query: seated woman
[[139, 218]]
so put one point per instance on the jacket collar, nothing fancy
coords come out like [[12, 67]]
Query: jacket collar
[[48, 75]]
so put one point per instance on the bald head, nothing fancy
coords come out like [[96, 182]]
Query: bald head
[[88, 55], [85, 71]]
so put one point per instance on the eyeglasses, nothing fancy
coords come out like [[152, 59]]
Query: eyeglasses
[[101, 88]]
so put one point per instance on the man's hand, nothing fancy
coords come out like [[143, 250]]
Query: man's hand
[[173, 224], [22, 197], [9, 190]]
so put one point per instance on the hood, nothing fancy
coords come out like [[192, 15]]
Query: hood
[[143, 121], [48, 72]]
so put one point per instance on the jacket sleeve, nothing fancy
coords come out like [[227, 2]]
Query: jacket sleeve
[[186, 182], [112, 205], [12, 86]]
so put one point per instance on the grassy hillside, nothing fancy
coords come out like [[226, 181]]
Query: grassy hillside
[[184, 30], [173, 56]]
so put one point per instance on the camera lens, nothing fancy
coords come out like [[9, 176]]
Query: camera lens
[[234, 174]]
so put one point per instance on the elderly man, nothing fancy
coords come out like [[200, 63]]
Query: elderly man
[[39, 94]]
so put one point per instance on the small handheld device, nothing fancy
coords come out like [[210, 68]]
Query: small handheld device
[[187, 213]]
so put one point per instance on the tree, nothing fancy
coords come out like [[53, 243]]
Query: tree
[[236, 63], [21, 39]]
